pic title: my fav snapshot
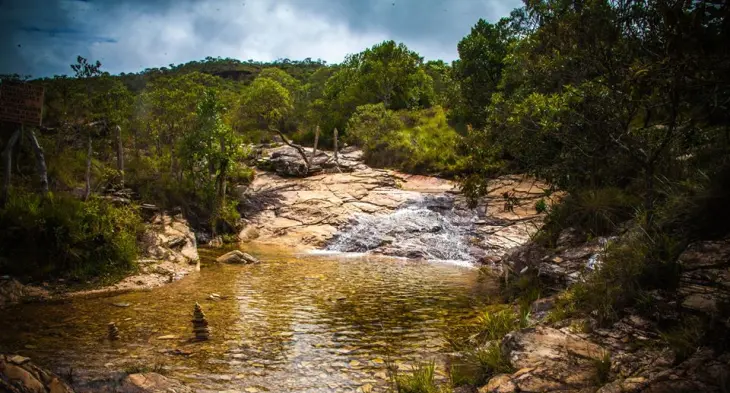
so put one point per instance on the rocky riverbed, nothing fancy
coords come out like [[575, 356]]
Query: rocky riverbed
[[362, 209]]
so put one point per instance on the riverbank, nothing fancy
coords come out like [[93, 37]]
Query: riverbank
[[664, 344]]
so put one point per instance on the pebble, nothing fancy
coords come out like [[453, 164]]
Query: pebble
[[121, 304]]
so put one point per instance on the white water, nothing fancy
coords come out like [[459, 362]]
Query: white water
[[430, 228]]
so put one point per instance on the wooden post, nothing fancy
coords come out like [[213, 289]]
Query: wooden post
[[316, 142], [337, 160], [8, 158], [40, 160]]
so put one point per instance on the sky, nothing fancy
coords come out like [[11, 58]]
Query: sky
[[43, 37]]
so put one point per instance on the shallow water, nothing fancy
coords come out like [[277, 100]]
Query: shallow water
[[295, 323]]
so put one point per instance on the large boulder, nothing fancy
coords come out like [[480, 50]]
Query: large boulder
[[547, 360], [19, 375], [151, 383], [237, 257], [170, 238]]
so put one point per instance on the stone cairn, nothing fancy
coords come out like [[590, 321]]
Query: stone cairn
[[200, 324], [113, 331]]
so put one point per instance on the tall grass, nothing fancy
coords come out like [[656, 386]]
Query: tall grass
[[420, 380]]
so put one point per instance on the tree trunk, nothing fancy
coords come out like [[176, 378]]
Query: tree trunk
[[87, 191], [120, 154], [8, 158], [337, 160], [40, 160], [316, 142], [223, 173], [295, 146]]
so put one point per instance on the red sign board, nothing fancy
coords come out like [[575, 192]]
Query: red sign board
[[21, 103]]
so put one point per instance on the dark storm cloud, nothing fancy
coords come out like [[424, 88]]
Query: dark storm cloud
[[42, 37]]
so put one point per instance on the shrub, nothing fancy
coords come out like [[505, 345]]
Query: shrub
[[541, 206], [416, 141], [62, 236]]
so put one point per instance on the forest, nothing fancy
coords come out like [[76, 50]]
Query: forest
[[621, 106]]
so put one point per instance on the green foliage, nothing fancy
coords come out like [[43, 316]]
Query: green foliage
[[62, 236], [495, 325], [420, 380], [419, 141], [617, 283], [479, 68], [265, 104], [541, 206], [478, 365]]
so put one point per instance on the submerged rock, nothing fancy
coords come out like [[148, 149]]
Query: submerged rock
[[19, 375], [237, 256], [151, 383]]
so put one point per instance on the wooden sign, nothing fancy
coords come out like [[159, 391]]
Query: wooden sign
[[21, 103]]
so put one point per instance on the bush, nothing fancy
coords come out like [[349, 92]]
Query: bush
[[419, 141], [62, 236]]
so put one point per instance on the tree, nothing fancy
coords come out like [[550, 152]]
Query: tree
[[85, 70], [479, 68], [265, 105]]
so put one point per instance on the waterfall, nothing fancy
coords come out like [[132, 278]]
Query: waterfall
[[429, 227]]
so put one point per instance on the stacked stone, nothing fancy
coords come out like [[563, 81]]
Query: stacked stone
[[200, 324], [113, 331]]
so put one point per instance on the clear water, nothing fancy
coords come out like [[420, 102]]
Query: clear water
[[291, 324]]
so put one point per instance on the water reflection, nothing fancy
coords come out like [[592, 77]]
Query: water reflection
[[298, 324]]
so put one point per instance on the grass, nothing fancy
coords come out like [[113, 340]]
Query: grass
[[684, 338], [420, 380], [495, 325], [602, 365], [477, 366]]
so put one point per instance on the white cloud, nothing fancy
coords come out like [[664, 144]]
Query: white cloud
[[258, 30]]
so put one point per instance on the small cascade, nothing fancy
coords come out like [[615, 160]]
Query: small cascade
[[429, 227]]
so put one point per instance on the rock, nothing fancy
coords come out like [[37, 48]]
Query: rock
[[540, 307], [11, 291], [152, 383], [200, 324], [547, 360], [113, 331], [705, 272], [121, 304], [19, 375], [499, 384], [237, 256], [569, 237]]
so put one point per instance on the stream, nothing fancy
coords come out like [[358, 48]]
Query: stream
[[294, 323]]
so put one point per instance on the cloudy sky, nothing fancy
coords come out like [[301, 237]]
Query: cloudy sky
[[42, 37]]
